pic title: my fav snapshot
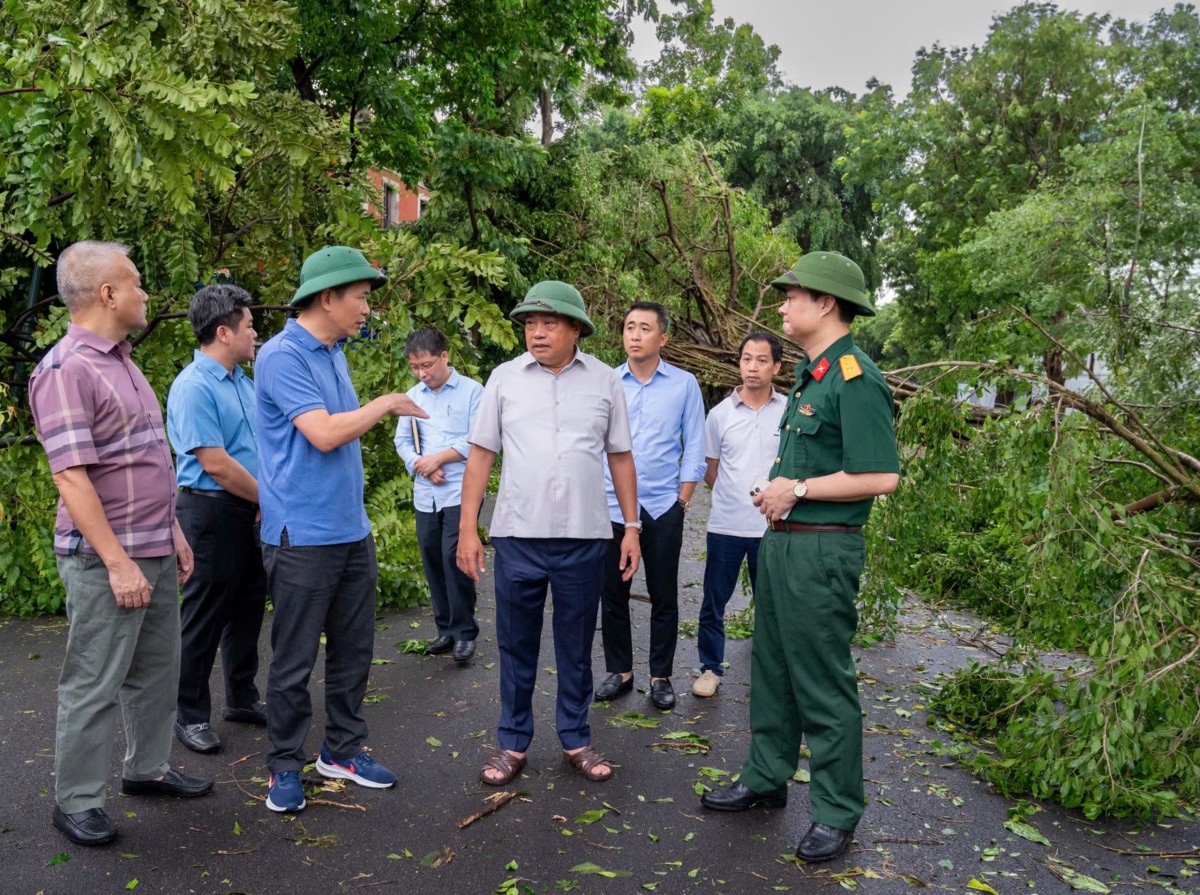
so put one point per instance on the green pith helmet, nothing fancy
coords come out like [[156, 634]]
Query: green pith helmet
[[335, 266], [555, 297], [829, 273]]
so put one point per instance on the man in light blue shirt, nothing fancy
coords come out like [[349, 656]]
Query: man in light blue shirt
[[435, 451], [210, 421], [666, 417]]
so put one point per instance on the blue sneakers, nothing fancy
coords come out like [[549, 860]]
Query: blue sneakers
[[362, 769], [286, 793]]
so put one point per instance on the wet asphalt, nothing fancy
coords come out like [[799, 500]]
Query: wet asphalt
[[929, 823]]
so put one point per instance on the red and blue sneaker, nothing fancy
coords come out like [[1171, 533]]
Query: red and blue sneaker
[[362, 769], [286, 792]]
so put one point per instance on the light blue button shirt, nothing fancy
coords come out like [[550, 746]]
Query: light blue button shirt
[[451, 410], [666, 417], [208, 406]]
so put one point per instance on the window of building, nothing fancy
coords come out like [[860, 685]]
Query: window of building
[[391, 205]]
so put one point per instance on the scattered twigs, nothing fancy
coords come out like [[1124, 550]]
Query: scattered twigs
[[494, 803]]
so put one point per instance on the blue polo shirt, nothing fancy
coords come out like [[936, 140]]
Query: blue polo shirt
[[208, 406], [666, 417], [317, 497]]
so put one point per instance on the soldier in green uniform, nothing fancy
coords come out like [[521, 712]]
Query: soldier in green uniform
[[837, 453]]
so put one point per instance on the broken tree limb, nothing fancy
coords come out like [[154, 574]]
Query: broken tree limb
[[496, 801]]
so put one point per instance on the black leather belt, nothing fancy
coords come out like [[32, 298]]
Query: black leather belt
[[804, 526], [220, 495]]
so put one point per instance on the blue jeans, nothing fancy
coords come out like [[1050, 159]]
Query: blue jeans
[[721, 568]]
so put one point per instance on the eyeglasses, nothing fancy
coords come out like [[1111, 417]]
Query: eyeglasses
[[423, 368]]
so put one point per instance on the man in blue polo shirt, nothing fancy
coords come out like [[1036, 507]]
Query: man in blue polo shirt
[[317, 544], [666, 417], [210, 421], [435, 454]]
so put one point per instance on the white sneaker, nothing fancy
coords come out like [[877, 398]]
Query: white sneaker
[[706, 685]]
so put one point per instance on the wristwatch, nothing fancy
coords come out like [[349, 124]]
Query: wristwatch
[[800, 489], [686, 504], [637, 525]]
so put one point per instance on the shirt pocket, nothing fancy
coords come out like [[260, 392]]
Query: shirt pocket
[[802, 451]]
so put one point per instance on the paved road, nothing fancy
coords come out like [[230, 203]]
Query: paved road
[[929, 822]]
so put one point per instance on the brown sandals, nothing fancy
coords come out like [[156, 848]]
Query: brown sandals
[[504, 763], [590, 764]]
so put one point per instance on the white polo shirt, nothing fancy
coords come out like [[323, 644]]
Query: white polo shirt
[[746, 442]]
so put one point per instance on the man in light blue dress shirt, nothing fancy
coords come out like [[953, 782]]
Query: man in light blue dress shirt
[[666, 417], [210, 421], [434, 452]]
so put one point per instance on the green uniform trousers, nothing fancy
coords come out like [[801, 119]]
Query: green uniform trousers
[[802, 676], [115, 656]]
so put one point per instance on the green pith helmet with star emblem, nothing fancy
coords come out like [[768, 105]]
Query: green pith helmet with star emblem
[[829, 273]]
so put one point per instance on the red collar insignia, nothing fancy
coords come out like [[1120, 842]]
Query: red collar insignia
[[821, 369]]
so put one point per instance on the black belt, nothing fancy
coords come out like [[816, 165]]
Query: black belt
[[804, 526], [220, 495]]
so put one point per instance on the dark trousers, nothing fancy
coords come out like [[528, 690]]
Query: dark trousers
[[328, 589], [662, 539], [450, 591], [524, 568], [223, 602], [721, 569]]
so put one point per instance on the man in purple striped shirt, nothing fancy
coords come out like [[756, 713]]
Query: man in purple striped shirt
[[120, 552]]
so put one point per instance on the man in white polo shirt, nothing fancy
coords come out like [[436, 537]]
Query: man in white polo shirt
[[742, 436]]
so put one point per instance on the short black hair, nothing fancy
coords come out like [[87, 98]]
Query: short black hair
[[763, 336], [216, 306], [664, 319], [847, 310], [425, 341]]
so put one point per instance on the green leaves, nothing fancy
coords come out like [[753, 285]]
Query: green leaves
[[1025, 831], [590, 869]]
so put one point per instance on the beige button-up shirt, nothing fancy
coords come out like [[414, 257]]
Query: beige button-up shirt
[[554, 430]]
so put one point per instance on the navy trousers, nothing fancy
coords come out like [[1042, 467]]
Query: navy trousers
[[524, 569]]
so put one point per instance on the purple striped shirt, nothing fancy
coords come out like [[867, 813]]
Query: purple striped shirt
[[94, 408]]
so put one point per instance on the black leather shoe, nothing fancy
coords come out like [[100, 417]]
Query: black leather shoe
[[662, 694], [256, 713], [443, 644], [198, 737], [172, 783], [90, 827], [822, 843], [612, 687], [738, 798], [463, 650]]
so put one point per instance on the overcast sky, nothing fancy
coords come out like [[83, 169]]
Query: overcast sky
[[843, 44]]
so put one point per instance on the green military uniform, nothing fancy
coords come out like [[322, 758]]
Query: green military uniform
[[803, 682]]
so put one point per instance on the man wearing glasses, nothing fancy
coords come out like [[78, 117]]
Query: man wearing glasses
[[434, 452], [210, 421]]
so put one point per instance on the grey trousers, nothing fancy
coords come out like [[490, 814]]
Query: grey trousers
[[115, 656], [328, 589]]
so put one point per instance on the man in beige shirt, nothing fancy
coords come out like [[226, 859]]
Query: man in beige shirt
[[555, 412]]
